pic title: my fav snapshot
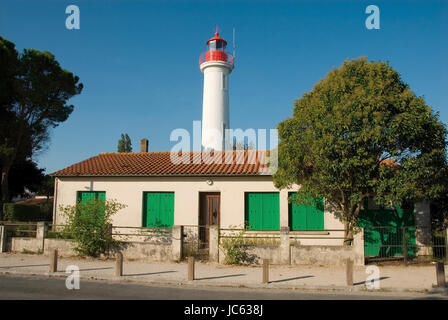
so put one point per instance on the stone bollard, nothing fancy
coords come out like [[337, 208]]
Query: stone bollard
[[349, 272], [2, 239], [119, 265], [440, 274], [54, 260], [190, 268], [265, 278]]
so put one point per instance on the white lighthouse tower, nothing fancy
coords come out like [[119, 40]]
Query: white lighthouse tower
[[216, 65]]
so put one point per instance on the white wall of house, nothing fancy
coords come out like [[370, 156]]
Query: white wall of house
[[129, 191]]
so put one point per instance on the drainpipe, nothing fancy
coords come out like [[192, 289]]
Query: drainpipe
[[55, 199]]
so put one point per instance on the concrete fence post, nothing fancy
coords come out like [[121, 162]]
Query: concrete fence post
[[54, 260], [285, 249], [349, 272], [358, 248], [119, 264], [41, 233], [177, 239], [2, 239], [214, 244]]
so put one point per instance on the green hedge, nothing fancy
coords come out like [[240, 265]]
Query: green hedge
[[27, 212]]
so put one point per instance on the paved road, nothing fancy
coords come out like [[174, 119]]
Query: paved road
[[34, 287]]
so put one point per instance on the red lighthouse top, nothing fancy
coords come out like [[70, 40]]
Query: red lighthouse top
[[218, 39], [216, 51]]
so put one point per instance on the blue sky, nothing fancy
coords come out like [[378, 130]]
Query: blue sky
[[138, 60]]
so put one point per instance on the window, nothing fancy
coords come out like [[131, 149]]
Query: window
[[158, 209], [306, 217], [224, 81], [262, 210]]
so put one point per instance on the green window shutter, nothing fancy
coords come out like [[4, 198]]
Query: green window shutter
[[315, 216], [86, 196], [262, 210], [303, 217], [158, 209]]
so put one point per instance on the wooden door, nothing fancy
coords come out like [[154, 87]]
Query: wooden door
[[209, 214]]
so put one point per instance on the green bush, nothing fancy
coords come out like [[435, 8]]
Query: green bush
[[27, 212], [89, 224]]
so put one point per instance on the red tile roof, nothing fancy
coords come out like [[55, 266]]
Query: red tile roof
[[225, 163]]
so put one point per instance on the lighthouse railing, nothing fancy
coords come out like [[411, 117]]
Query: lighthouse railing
[[216, 56]]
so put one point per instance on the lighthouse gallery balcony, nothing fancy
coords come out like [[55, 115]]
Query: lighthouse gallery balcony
[[216, 56]]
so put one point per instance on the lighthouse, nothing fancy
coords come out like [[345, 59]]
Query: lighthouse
[[216, 65]]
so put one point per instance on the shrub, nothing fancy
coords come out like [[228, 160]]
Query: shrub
[[89, 224], [235, 249], [27, 212], [22, 212]]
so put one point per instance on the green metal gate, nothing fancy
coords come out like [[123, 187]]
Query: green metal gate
[[388, 231]]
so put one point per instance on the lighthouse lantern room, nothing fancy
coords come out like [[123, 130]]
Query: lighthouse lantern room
[[216, 65]]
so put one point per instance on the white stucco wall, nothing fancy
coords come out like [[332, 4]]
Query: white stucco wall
[[129, 191]]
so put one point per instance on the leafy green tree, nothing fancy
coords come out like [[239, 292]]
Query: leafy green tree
[[124, 144], [46, 187], [24, 176], [361, 132], [89, 224], [35, 101]]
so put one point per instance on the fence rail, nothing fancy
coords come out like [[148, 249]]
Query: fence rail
[[410, 244], [20, 229]]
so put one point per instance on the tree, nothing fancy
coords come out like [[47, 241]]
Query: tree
[[24, 176], [46, 187], [35, 102], [124, 144], [361, 132], [242, 145]]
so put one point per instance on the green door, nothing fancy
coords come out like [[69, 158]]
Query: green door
[[306, 217], [158, 209], [262, 210]]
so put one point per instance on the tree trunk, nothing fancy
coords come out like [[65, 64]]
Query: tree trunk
[[348, 234], [4, 184]]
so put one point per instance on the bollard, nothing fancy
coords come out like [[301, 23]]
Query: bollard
[[2, 239], [349, 272], [54, 260], [190, 268], [265, 271], [119, 265], [440, 274], [405, 247]]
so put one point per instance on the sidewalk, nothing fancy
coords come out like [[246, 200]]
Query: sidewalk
[[392, 278]]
